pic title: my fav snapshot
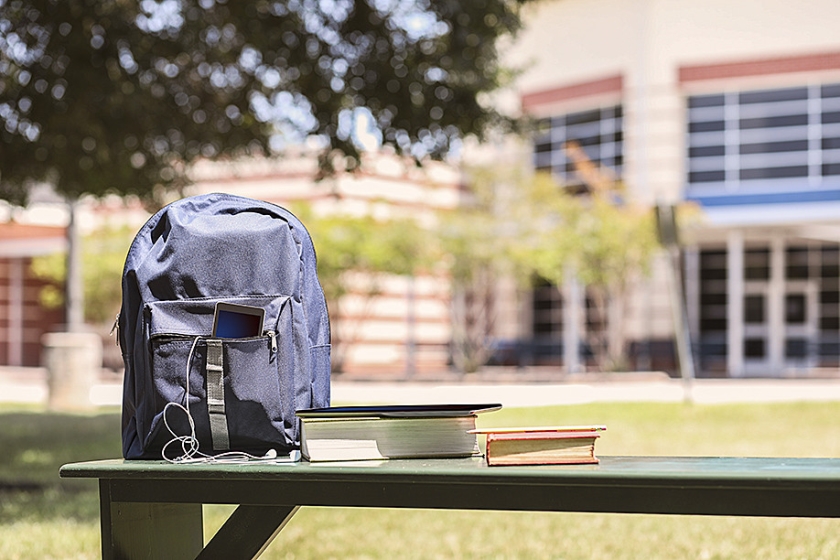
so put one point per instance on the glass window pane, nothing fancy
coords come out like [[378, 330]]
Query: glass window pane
[[706, 176], [830, 323], [828, 118], [795, 309], [705, 101], [754, 348], [796, 263], [757, 264], [711, 126], [754, 309], [774, 147], [831, 90], [706, 151], [774, 173], [772, 95], [830, 143], [796, 348], [772, 122]]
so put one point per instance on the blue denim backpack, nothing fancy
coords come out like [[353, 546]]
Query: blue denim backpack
[[188, 393]]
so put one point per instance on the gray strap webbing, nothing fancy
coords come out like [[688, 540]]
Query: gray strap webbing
[[216, 395]]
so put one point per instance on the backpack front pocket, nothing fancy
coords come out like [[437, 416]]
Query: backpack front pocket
[[241, 394]]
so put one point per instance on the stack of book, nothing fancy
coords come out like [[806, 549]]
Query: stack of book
[[390, 432], [560, 445]]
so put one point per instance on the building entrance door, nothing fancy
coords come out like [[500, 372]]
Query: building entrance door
[[757, 328], [794, 330]]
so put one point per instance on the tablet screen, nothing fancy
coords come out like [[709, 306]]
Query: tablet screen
[[237, 321]]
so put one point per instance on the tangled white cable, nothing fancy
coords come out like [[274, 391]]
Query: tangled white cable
[[190, 453]]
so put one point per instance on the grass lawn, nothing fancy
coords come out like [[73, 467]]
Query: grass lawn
[[42, 516]]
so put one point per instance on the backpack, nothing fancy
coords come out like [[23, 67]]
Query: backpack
[[243, 392]]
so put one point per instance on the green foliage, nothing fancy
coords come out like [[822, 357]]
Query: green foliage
[[478, 239], [527, 225], [603, 241], [363, 244], [354, 254], [103, 255], [477, 236], [100, 96]]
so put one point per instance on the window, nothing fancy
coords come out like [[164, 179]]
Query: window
[[777, 140], [599, 133], [754, 348], [795, 309], [797, 263], [547, 305], [757, 264], [754, 309], [713, 296]]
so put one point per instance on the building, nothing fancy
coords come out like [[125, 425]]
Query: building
[[732, 105], [23, 318]]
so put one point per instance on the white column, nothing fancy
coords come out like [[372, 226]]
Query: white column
[[735, 303], [572, 312], [776, 307]]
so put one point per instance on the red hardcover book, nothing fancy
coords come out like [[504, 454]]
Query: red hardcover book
[[541, 446]]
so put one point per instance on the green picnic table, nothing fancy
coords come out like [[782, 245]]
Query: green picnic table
[[153, 509]]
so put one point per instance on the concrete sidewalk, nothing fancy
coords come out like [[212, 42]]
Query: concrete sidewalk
[[29, 385]]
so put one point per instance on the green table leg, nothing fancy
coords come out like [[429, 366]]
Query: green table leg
[[248, 532], [149, 530]]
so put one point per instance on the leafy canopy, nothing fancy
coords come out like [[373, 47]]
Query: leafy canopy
[[100, 96]]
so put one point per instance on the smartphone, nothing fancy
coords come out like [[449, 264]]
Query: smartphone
[[237, 321]]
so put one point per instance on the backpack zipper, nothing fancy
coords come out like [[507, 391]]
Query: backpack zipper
[[116, 329], [273, 336]]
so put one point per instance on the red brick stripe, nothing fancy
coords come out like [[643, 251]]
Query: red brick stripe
[[760, 67], [612, 84]]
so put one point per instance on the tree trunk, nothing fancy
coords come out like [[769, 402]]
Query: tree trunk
[[616, 339], [74, 283]]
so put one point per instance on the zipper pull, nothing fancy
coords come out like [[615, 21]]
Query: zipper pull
[[116, 329], [273, 336]]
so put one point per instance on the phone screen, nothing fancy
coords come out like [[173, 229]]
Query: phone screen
[[234, 321]]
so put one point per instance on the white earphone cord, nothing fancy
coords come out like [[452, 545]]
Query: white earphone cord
[[189, 443]]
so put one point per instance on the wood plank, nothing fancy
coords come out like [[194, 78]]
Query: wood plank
[[248, 532], [149, 530]]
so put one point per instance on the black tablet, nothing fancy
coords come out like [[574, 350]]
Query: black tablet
[[237, 321], [398, 410]]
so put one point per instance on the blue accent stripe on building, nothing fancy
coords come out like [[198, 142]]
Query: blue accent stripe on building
[[767, 198]]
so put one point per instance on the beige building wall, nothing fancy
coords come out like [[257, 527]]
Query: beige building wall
[[571, 42], [649, 55]]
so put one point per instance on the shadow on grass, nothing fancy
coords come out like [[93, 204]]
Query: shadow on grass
[[34, 444]]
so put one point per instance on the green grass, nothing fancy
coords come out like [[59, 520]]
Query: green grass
[[42, 516]]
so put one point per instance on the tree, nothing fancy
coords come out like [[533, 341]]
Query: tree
[[597, 238], [529, 226], [355, 255], [121, 96], [478, 241]]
